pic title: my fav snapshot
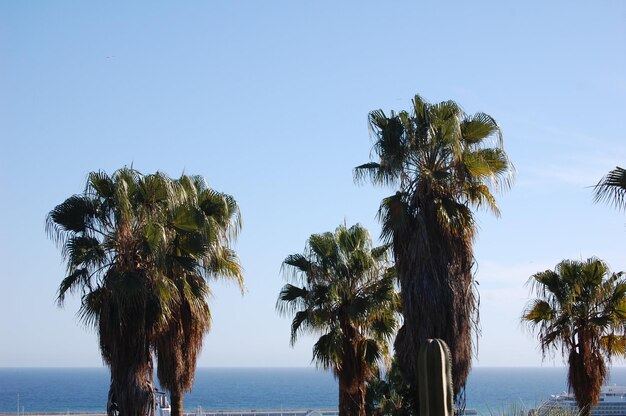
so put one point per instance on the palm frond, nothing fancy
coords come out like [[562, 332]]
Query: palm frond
[[539, 311], [84, 251], [299, 324], [374, 352], [299, 262], [187, 218], [327, 351], [394, 215], [91, 306], [100, 184], [70, 216], [79, 278], [367, 170], [480, 126], [612, 188], [478, 194], [290, 299], [454, 217], [381, 252]]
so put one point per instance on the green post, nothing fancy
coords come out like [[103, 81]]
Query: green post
[[435, 379]]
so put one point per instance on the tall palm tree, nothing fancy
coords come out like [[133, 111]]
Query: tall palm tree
[[130, 241], [346, 294], [612, 188], [580, 309], [442, 162], [207, 253]]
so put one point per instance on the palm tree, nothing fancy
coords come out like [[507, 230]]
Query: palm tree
[[581, 310], [135, 246], [442, 162], [111, 261], [218, 221], [612, 188], [348, 296]]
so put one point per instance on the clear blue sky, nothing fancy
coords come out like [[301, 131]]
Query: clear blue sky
[[269, 102]]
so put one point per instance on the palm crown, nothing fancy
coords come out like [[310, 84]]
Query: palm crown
[[438, 153]]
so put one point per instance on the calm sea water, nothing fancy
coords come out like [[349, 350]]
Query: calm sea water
[[75, 389]]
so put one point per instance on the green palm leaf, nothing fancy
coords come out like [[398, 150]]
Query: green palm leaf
[[612, 188], [71, 216]]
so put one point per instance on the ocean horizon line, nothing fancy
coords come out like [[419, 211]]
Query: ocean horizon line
[[71, 389], [271, 367], [274, 366]]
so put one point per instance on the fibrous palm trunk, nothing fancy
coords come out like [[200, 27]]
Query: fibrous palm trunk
[[434, 269], [586, 374], [176, 397], [177, 351], [125, 346], [132, 388], [351, 395], [351, 398], [351, 376]]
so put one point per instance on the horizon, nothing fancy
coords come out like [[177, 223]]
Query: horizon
[[256, 389], [313, 367]]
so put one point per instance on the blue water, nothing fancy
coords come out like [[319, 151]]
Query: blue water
[[76, 389]]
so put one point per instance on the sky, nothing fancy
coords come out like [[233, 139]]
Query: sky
[[269, 102]]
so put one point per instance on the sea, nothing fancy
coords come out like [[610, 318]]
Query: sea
[[490, 391]]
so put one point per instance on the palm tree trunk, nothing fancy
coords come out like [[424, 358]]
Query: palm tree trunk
[[351, 375], [130, 361], [434, 269], [579, 383], [133, 394], [586, 372], [176, 397], [351, 397]]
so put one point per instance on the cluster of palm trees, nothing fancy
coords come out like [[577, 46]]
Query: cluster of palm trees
[[139, 250], [442, 163]]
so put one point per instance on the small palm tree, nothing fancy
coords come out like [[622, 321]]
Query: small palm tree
[[612, 188], [580, 309], [442, 163], [346, 294]]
